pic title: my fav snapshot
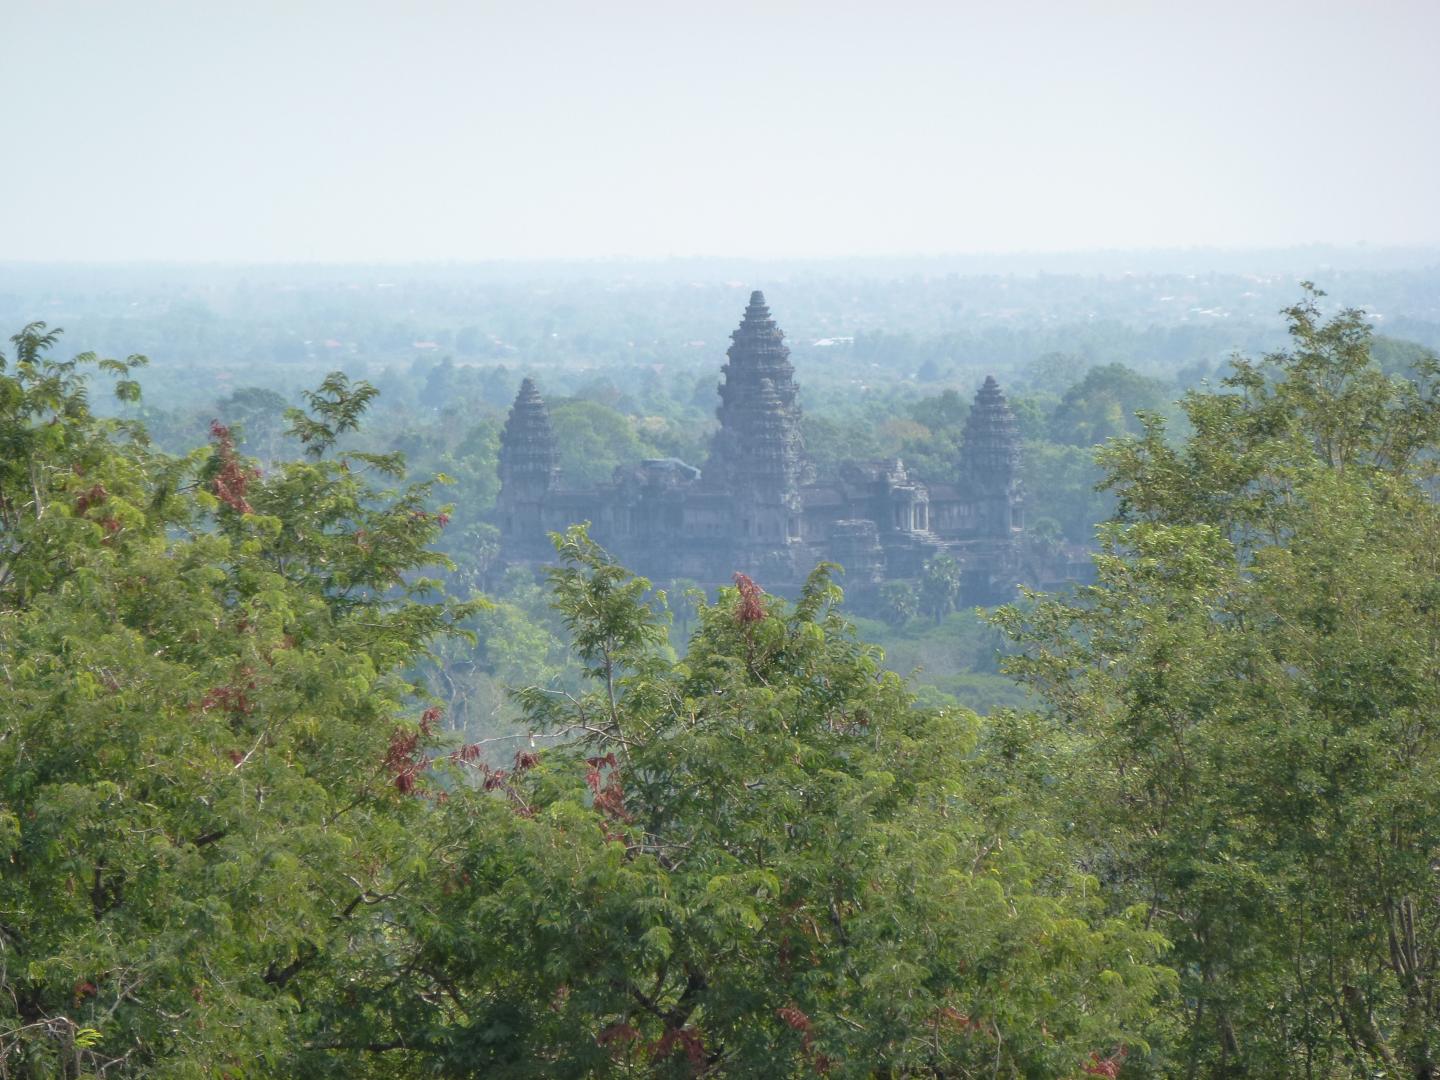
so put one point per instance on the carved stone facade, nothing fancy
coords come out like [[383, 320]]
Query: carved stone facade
[[756, 507]]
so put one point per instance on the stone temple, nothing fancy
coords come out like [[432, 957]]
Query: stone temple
[[756, 506]]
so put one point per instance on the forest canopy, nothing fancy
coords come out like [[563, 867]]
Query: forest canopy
[[239, 836]]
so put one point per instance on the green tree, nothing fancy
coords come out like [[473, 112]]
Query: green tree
[[205, 739], [1105, 404], [257, 416], [830, 442], [896, 603], [1061, 483], [945, 411], [762, 861], [1243, 711], [593, 440], [940, 587]]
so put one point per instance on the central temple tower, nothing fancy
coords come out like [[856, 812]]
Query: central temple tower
[[758, 455], [529, 470], [991, 463]]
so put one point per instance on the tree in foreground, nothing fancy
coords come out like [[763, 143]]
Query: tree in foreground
[[203, 735], [763, 861], [233, 843], [1244, 712]]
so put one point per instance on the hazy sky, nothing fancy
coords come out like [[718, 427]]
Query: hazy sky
[[338, 129]]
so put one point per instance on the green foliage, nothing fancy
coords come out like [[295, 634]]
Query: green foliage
[[762, 861], [594, 439], [1061, 483], [896, 603], [62, 492], [1105, 404], [940, 587], [953, 661], [1243, 711], [258, 417], [234, 841], [335, 408], [203, 740], [830, 442]]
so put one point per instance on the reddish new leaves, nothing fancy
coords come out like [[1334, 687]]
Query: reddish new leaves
[[685, 1039], [750, 609], [233, 479], [465, 754], [501, 780], [621, 1034], [1108, 1067], [93, 497], [404, 760], [609, 792], [793, 1017], [233, 697]]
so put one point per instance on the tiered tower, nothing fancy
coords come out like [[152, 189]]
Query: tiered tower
[[991, 463], [758, 455], [529, 469]]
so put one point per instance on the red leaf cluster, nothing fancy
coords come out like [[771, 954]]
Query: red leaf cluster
[[232, 698], [750, 609], [610, 792], [421, 515], [466, 754], [402, 760], [233, 479], [493, 779], [685, 1039], [617, 1033], [1108, 1067], [795, 1018], [93, 497]]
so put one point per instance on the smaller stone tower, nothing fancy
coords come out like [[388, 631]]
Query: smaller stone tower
[[991, 463], [529, 470]]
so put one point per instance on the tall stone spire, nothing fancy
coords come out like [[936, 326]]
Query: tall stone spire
[[991, 461], [529, 458], [758, 450]]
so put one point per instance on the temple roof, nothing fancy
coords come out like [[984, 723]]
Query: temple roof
[[758, 448], [527, 444], [992, 435]]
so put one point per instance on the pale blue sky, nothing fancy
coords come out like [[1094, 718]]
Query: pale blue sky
[[338, 129]]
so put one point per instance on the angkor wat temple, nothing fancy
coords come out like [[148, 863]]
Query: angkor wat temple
[[756, 507]]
